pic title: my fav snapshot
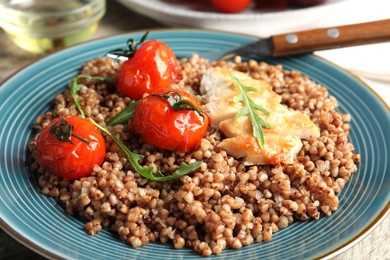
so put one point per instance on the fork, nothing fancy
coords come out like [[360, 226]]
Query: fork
[[304, 41], [310, 40]]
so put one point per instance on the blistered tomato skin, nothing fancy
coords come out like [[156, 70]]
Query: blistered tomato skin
[[75, 160], [153, 65], [159, 124]]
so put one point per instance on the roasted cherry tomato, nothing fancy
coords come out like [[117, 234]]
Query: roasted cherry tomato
[[152, 66], [70, 147], [231, 6], [170, 119]]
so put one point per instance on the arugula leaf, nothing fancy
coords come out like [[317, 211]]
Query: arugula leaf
[[76, 86], [125, 115], [249, 109], [147, 172], [134, 158]]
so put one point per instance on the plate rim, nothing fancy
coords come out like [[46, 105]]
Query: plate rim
[[26, 242], [338, 250]]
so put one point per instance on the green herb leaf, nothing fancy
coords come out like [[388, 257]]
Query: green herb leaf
[[76, 86], [125, 115], [249, 109], [147, 172]]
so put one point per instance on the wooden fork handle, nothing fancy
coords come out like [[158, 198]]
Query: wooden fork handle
[[332, 37]]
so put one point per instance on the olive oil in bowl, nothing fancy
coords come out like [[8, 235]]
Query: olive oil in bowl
[[42, 26]]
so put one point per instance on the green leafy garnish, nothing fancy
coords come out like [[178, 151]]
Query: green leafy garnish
[[134, 158], [76, 86], [125, 115], [147, 172], [249, 109]]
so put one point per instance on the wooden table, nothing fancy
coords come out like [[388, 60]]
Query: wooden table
[[117, 20]]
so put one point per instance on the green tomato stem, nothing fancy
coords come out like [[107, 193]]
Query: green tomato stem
[[76, 86]]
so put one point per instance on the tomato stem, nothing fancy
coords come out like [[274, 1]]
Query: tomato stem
[[63, 131], [132, 46], [177, 103], [76, 86], [81, 138]]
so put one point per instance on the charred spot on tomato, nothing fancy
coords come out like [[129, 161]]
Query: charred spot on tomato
[[62, 130]]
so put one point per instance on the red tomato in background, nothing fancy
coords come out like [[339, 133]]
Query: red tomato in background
[[156, 121], [231, 6], [71, 161], [153, 65]]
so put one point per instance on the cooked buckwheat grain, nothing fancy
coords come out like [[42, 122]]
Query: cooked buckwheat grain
[[221, 205]]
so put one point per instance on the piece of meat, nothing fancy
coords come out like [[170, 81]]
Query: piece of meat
[[278, 149], [218, 91], [290, 122], [282, 140], [216, 83]]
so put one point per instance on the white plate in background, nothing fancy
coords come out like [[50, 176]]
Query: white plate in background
[[252, 21]]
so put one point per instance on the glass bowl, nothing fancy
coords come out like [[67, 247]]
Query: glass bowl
[[41, 26]]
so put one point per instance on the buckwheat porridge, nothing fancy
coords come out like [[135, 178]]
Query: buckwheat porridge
[[224, 203]]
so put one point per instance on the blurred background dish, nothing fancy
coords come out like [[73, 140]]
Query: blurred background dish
[[41, 26], [254, 20]]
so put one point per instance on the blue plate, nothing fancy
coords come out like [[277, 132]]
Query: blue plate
[[38, 222]]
